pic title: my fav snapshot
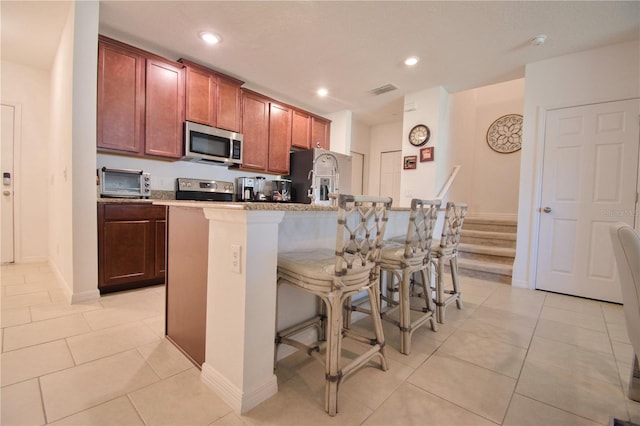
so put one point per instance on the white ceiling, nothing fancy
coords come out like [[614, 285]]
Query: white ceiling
[[288, 49]]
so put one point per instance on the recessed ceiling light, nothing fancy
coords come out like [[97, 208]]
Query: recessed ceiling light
[[210, 37], [538, 40], [322, 92], [411, 61]]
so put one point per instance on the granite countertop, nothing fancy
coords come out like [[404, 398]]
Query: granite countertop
[[264, 206], [155, 196]]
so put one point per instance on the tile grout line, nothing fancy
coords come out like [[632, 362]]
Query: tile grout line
[[524, 361]]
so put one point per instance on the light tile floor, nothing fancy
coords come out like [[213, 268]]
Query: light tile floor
[[511, 356]]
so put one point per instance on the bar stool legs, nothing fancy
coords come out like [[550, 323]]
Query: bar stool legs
[[448, 252]]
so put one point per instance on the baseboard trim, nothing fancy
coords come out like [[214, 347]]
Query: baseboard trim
[[519, 283], [85, 296], [240, 401]]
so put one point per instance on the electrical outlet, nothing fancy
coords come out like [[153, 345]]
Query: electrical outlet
[[236, 252]]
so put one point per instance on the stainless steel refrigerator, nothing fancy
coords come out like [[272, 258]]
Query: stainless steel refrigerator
[[316, 173]]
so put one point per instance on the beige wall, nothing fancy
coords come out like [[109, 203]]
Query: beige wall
[[487, 180], [27, 89]]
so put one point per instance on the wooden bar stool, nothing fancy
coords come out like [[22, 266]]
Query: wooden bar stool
[[402, 261], [334, 276], [447, 251]]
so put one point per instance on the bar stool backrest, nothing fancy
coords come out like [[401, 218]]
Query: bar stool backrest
[[422, 221], [453, 220], [626, 248], [362, 221]]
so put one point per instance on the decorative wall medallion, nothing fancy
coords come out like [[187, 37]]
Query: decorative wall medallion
[[505, 134]]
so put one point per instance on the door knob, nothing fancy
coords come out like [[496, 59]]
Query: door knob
[[6, 192], [547, 210]]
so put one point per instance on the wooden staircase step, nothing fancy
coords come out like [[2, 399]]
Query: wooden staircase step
[[508, 236], [500, 255], [488, 238], [490, 224], [485, 270]]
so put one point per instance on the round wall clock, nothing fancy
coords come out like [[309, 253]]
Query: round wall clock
[[419, 135], [505, 134]]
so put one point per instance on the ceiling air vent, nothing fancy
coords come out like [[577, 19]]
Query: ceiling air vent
[[383, 89]]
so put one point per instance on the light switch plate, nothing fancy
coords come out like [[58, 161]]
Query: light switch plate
[[236, 256]]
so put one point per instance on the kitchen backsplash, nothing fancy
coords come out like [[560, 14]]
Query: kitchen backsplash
[[165, 173]]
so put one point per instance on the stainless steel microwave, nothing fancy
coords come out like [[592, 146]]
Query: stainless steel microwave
[[210, 144], [124, 183]]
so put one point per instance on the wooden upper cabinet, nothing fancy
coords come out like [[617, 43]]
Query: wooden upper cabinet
[[121, 101], [228, 111], [200, 92], [255, 131], [320, 133], [300, 129], [279, 138], [212, 98], [164, 109]]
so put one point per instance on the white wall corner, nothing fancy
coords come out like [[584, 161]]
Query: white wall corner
[[340, 134], [241, 402]]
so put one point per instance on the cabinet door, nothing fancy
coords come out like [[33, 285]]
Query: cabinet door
[[300, 129], [279, 138], [120, 120], [199, 95], [127, 245], [320, 133], [255, 130], [228, 105], [164, 109], [131, 245]]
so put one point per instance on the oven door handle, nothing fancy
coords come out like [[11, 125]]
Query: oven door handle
[[107, 169]]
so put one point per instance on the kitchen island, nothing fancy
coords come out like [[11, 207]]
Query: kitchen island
[[243, 241]]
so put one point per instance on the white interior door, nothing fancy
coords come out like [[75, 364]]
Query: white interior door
[[6, 200], [357, 173], [390, 171], [589, 181]]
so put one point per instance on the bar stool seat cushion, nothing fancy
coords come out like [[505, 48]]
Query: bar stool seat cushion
[[392, 256], [317, 268]]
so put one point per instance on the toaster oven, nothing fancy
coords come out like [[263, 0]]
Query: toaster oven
[[124, 183]]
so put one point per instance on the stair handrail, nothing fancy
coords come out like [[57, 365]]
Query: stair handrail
[[447, 185]]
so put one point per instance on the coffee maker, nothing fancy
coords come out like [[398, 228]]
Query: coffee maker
[[245, 188]]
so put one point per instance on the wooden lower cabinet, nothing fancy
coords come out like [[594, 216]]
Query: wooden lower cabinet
[[131, 246], [186, 316]]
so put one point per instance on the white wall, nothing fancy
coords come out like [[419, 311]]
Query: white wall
[[384, 138], [340, 134], [428, 107], [28, 89], [84, 209], [60, 162], [598, 75], [72, 228], [360, 143], [487, 180]]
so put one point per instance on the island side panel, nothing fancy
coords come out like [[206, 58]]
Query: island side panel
[[188, 248]]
